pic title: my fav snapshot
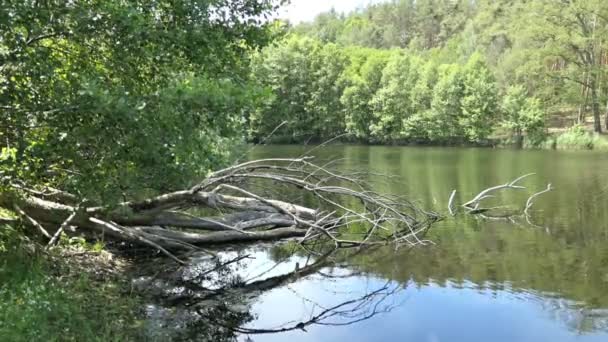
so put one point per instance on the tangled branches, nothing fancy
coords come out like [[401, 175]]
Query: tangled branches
[[267, 199]]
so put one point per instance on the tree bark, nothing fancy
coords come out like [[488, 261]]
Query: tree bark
[[597, 121], [606, 117]]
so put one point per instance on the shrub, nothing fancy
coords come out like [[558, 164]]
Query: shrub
[[577, 137]]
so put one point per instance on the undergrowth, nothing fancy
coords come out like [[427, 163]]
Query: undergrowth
[[577, 138], [39, 302]]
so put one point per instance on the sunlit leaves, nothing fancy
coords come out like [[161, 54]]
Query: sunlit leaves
[[107, 97]]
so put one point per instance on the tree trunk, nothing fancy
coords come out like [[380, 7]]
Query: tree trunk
[[519, 138], [597, 121], [606, 117]]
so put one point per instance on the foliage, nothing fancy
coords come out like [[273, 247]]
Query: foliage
[[305, 78], [580, 62], [554, 50], [577, 137], [106, 98], [522, 114], [479, 102], [385, 96], [392, 103], [402, 23], [363, 79], [35, 305]]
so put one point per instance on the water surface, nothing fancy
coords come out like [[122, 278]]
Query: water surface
[[544, 278]]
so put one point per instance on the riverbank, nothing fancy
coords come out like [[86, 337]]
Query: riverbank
[[573, 138], [76, 292]]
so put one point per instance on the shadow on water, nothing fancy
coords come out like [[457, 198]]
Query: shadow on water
[[481, 281]]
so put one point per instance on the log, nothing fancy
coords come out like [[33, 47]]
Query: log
[[239, 213]]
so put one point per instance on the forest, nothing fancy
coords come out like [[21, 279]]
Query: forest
[[440, 71], [132, 133]]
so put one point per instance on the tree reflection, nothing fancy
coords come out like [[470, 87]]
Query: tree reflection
[[212, 299]]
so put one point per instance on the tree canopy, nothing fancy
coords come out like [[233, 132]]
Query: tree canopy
[[438, 69], [104, 97]]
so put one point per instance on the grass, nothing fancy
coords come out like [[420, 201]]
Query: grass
[[577, 138], [39, 302]]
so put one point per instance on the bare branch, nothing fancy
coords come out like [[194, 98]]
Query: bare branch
[[530, 200], [323, 204], [451, 201], [474, 203], [134, 237], [32, 222], [64, 225]]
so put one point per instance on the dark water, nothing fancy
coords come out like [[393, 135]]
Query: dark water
[[483, 280]]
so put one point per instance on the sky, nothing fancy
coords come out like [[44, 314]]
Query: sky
[[305, 10]]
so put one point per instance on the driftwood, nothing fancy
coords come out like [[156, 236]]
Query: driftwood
[[474, 207], [268, 199]]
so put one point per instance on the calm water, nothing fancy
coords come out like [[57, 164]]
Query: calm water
[[546, 280]]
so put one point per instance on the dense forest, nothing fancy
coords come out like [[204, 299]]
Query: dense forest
[[440, 71]]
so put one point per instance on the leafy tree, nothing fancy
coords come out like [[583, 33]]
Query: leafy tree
[[107, 97], [583, 24], [362, 78], [446, 112], [479, 103], [284, 69], [393, 103], [328, 64], [523, 115], [305, 79]]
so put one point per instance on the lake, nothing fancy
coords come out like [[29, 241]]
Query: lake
[[544, 278]]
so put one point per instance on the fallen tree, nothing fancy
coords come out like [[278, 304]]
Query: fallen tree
[[260, 200]]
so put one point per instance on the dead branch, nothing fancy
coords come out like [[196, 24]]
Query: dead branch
[[530, 200], [258, 200], [451, 202], [474, 203], [473, 206], [64, 225], [130, 235], [32, 221]]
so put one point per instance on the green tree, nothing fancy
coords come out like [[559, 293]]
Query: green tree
[[446, 112], [304, 77], [362, 77], [523, 115], [479, 101], [574, 34], [328, 65], [393, 102], [108, 98]]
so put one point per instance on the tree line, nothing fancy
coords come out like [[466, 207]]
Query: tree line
[[509, 68], [321, 90]]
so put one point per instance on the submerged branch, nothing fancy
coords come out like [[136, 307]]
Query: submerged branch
[[473, 206]]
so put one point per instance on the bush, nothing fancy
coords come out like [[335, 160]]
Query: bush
[[577, 137]]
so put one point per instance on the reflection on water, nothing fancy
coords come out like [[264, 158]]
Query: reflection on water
[[270, 298], [481, 281], [484, 280], [432, 312]]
